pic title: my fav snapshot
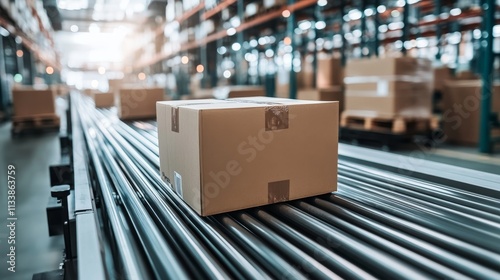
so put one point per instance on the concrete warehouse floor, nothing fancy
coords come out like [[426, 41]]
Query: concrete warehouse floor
[[35, 250]]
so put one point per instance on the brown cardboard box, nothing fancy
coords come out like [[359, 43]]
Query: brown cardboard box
[[31, 102], [104, 100], [138, 103], [324, 94], [389, 87], [409, 104], [466, 75], [461, 107], [441, 75], [238, 91], [115, 84], [329, 72], [389, 66], [305, 78], [226, 155]]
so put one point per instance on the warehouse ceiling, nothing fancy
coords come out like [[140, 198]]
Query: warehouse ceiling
[[93, 31]]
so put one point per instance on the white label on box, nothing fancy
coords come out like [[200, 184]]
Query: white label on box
[[382, 88], [178, 183]]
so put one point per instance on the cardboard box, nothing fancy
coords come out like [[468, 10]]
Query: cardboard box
[[441, 75], [238, 91], [409, 104], [461, 110], [389, 87], [31, 102], [138, 103], [324, 94], [329, 72], [389, 66], [466, 75], [226, 155], [104, 100]]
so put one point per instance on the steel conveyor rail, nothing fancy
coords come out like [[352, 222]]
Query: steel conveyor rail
[[380, 224]]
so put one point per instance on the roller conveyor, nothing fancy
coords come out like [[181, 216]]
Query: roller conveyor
[[380, 224]]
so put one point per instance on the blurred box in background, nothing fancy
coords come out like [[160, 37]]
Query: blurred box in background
[[104, 99], [389, 87], [31, 102], [461, 110], [138, 103]]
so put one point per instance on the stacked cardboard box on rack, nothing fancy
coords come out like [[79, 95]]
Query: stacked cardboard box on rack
[[389, 87], [461, 107], [104, 99]]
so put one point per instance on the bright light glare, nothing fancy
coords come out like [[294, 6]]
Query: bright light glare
[[368, 12], [356, 33], [101, 70], [141, 76], [185, 60], [236, 47], [94, 84], [455, 12], [74, 28], [395, 13], [383, 28], [19, 53], [322, 3], [285, 13], [400, 3], [381, 9], [496, 31], [18, 78], [320, 25], [231, 31], [222, 50], [269, 53], [200, 68], [305, 25], [287, 41], [355, 14], [49, 70], [94, 28], [227, 74], [72, 4], [477, 33]]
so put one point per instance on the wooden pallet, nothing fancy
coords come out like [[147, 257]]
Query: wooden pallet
[[395, 125], [35, 123]]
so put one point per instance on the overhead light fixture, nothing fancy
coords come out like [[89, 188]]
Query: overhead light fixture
[[381, 9], [322, 3], [101, 70], [227, 74], [320, 25], [74, 28], [185, 59], [231, 31], [236, 47], [455, 12], [304, 25], [200, 68], [49, 70], [19, 53], [285, 13]]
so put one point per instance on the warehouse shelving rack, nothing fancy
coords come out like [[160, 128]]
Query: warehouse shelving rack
[[438, 24]]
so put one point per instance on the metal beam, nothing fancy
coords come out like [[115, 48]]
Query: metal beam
[[291, 25], [485, 145]]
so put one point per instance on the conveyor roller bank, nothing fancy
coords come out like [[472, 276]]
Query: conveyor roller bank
[[391, 218]]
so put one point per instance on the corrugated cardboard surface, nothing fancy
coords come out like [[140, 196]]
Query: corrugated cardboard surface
[[138, 103], [324, 94], [461, 107], [408, 104], [388, 66], [30, 102], [441, 75], [241, 153], [104, 100], [389, 88], [329, 73], [238, 91]]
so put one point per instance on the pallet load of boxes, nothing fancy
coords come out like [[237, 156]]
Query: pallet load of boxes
[[34, 110]]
